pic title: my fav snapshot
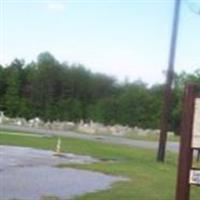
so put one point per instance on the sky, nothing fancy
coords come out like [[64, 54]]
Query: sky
[[127, 39]]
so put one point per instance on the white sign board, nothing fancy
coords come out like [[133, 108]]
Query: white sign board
[[196, 125], [195, 177]]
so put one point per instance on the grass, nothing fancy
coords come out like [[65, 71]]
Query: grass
[[135, 136], [148, 180], [151, 137], [22, 134]]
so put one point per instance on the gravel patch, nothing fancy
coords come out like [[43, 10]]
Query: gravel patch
[[30, 174]]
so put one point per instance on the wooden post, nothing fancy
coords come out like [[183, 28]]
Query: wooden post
[[164, 126], [186, 151]]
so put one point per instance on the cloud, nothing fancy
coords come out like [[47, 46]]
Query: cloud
[[56, 6]]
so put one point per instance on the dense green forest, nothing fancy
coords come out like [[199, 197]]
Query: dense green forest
[[58, 91]]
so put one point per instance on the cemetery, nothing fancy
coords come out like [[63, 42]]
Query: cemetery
[[134, 172], [94, 128], [40, 167], [108, 120]]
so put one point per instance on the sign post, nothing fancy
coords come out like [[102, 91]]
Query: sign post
[[190, 141]]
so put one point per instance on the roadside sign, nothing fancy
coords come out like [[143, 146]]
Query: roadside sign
[[195, 177], [196, 125], [190, 141]]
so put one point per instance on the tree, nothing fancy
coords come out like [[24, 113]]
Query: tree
[[52, 90], [2, 87], [13, 87]]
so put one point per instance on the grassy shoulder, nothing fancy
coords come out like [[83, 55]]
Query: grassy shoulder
[[149, 180], [152, 137], [136, 136]]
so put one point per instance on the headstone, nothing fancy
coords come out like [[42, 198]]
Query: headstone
[[1, 117]]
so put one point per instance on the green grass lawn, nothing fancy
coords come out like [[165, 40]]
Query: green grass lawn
[[149, 180], [135, 136], [151, 137]]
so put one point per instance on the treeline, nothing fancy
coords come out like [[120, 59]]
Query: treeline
[[58, 91]]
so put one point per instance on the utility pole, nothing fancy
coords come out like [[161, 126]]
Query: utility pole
[[164, 124]]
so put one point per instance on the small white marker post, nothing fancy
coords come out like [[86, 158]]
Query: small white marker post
[[58, 148]]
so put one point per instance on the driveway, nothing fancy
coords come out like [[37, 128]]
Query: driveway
[[30, 174]]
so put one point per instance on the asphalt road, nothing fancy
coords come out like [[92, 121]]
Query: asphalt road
[[171, 146]]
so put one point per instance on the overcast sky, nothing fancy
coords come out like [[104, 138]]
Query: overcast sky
[[126, 39]]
